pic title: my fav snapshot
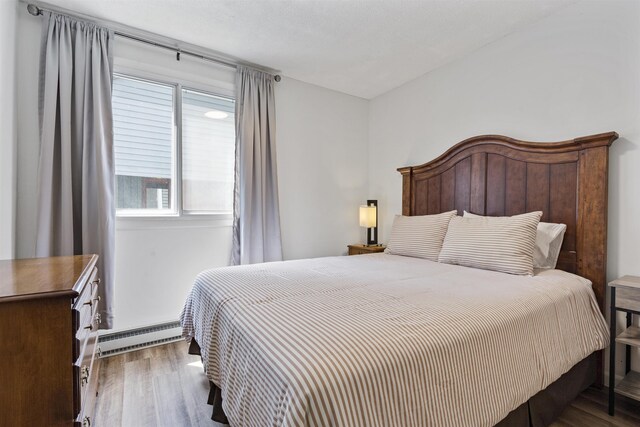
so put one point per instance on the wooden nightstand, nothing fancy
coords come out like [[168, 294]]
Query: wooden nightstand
[[364, 249], [625, 296]]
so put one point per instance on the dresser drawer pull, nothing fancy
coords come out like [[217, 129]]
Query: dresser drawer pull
[[92, 301], [86, 422], [96, 282], [84, 374], [99, 352], [97, 320]]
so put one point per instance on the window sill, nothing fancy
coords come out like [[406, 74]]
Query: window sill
[[173, 221]]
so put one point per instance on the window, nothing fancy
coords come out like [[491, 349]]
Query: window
[[144, 140], [153, 123], [208, 152]]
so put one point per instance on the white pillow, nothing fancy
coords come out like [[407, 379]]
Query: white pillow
[[502, 244], [418, 236], [549, 237]]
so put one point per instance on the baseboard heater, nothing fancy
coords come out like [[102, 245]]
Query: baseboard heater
[[136, 339]]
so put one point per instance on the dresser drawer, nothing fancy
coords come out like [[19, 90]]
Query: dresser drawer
[[83, 372], [85, 317], [83, 299], [86, 323], [85, 418]]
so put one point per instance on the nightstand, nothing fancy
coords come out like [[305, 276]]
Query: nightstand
[[364, 249], [625, 296]]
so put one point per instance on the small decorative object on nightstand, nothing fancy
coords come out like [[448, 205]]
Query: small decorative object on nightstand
[[625, 296], [365, 249]]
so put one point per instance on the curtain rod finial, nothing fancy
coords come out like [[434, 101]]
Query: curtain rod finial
[[34, 10], [277, 77]]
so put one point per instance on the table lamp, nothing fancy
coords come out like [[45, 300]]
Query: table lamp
[[369, 219]]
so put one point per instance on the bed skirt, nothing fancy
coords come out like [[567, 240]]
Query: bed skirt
[[545, 406], [539, 411], [215, 394]]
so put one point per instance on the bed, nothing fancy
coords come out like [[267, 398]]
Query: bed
[[387, 340]]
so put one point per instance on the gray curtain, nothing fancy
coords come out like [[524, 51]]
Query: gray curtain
[[76, 210], [256, 216]]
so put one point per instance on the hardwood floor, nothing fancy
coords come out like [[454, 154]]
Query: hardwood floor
[[155, 387], [165, 386], [590, 409]]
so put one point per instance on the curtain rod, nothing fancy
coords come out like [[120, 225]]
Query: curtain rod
[[37, 10]]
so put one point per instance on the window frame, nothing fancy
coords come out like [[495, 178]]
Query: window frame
[[187, 212], [157, 213], [178, 85]]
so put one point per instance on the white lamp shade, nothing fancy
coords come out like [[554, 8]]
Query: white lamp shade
[[368, 216]]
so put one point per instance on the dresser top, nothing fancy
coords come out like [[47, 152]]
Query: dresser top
[[44, 277]]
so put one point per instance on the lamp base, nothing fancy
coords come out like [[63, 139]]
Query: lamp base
[[372, 236]]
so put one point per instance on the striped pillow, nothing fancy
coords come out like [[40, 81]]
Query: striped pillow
[[549, 237], [502, 244], [418, 236]]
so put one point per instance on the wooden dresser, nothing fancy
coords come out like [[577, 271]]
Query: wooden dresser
[[48, 338]]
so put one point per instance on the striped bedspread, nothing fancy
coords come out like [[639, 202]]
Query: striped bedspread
[[385, 340]]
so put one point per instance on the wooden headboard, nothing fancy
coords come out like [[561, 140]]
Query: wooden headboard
[[495, 175]]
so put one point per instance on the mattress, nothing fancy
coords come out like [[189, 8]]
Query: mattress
[[384, 340]]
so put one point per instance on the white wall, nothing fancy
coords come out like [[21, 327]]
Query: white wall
[[8, 133], [322, 166], [156, 262], [576, 72]]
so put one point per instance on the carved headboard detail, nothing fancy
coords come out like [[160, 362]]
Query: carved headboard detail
[[496, 175]]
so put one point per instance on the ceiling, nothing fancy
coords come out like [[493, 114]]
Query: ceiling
[[359, 47]]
